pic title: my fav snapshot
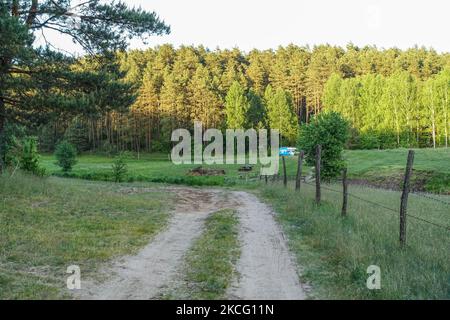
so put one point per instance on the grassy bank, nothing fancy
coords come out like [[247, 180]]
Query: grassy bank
[[385, 168], [335, 252], [49, 224], [209, 264]]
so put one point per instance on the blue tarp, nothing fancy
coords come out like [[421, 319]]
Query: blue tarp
[[287, 151]]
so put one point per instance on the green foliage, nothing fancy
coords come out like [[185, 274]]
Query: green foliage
[[379, 91], [38, 84], [256, 115], [107, 148], [29, 159], [280, 113], [119, 168], [11, 144], [331, 131], [65, 155], [369, 140], [399, 110], [77, 135], [236, 107], [49, 135]]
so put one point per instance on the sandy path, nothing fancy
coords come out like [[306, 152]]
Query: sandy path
[[266, 270], [146, 274]]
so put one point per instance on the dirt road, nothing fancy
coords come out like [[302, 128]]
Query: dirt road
[[266, 269]]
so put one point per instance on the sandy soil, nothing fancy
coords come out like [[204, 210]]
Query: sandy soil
[[266, 269]]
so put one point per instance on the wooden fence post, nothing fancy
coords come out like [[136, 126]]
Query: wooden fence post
[[299, 170], [345, 192], [284, 172], [404, 199], [318, 155], [265, 178]]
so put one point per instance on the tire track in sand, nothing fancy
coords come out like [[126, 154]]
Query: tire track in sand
[[265, 268], [146, 274]]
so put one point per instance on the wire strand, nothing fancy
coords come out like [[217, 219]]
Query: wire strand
[[384, 207], [431, 198]]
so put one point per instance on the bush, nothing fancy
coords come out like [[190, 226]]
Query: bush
[[159, 146], [119, 168], [29, 159], [331, 131], [65, 154], [369, 140]]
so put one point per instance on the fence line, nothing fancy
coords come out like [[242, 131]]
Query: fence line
[[404, 198], [382, 206], [431, 198]]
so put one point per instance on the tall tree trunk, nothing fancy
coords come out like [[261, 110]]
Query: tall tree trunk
[[2, 129], [433, 126], [397, 125], [446, 132], [418, 132], [446, 118], [307, 114]]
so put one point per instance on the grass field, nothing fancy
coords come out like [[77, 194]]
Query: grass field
[[385, 168], [48, 224], [149, 168], [334, 252], [382, 168], [209, 265]]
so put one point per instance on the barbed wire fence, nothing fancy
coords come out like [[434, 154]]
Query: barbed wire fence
[[423, 195], [402, 212]]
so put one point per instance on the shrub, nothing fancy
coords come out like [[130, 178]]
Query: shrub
[[369, 140], [331, 131], [65, 154], [29, 158], [119, 168]]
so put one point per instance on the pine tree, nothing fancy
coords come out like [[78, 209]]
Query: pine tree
[[280, 113], [289, 72], [258, 70], [381, 92], [332, 93], [236, 107], [443, 96], [205, 104], [36, 80], [324, 62], [256, 115]]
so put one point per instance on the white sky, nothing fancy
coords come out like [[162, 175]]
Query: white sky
[[264, 24]]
